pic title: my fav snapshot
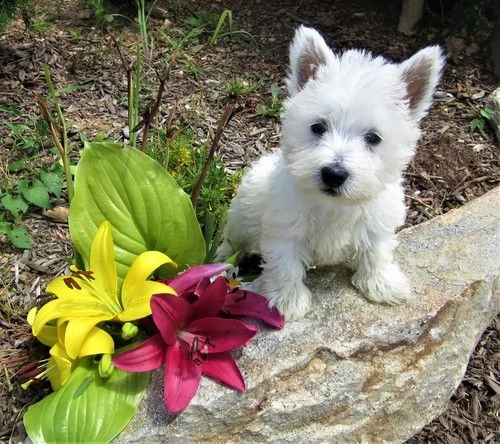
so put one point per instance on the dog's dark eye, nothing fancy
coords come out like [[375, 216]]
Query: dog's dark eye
[[318, 128], [372, 138]]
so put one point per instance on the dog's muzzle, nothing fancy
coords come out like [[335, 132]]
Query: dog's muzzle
[[333, 177]]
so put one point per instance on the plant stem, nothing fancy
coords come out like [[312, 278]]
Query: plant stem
[[152, 108], [230, 109], [59, 133]]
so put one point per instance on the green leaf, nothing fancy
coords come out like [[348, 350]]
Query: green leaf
[[477, 124], [86, 408], [20, 237], [17, 166], [52, 181], [15, 205], [5, 227], [80, 390], [36, 193], [146, 207], [487, 113], [193, 21], [71, 88]]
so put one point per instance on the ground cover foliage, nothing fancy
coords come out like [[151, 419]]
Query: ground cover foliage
[[455, 162]]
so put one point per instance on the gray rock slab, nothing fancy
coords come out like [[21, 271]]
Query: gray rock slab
[[351, 370], [493, 103]]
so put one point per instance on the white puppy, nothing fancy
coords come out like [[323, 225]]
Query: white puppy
[[333, 192]]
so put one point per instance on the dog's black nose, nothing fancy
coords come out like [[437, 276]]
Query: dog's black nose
[[333, 176]]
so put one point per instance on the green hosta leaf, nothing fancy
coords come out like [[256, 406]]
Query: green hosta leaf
[[15, 205], [20, 237], [36, 193], [146, 207], [86, 408], [52, 181]]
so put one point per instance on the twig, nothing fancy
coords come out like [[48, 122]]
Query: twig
[[230, 109], [152, 108]]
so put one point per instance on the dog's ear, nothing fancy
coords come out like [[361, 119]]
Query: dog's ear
[[308, 51], [421, 74]]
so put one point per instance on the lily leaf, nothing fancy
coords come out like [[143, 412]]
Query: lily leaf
[[144, 204], [86, 408]]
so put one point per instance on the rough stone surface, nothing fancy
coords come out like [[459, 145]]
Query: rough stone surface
[[493, 103], [354, 371]]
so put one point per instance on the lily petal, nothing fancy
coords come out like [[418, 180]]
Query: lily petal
[[97, 342], [211, 301], [66, 286], [187, 280], [224, 334], [68, 308], [169, 313], [77, 331], [223, 368], [47, 335], [139, 272], [247, 303], [59, 366], [146, 357], [182, 379], [80, 289], [201, 287], [102, 261], [139, 305]]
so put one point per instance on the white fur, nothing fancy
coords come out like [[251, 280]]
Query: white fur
[[282, 210]]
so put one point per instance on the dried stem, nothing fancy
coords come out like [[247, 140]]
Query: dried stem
[[152, 108], [230, 109]]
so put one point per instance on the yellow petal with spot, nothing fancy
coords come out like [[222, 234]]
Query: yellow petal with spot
[[140, 300], [68, 286], [140, 270]]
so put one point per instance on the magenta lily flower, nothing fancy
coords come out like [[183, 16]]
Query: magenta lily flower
[[191, 284], [193, 340]]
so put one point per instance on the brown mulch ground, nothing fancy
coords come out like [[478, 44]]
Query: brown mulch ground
[[453, 164]]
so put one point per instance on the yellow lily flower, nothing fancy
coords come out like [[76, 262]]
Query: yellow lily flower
[[60, 364], [89, 297]]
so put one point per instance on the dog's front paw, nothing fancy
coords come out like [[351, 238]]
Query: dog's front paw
[[292, 300], [387, 285]]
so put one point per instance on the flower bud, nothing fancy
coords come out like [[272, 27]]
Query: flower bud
[[129, 330], [106, 366]]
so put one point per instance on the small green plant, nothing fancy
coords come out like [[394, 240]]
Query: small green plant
[[478, 123], [16, 199], [273, 108], [225, 22], [184, 157], [217, 26], [240, 87], [190, 67], [102, 17]]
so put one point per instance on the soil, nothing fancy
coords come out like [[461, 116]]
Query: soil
[[453, 165]]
